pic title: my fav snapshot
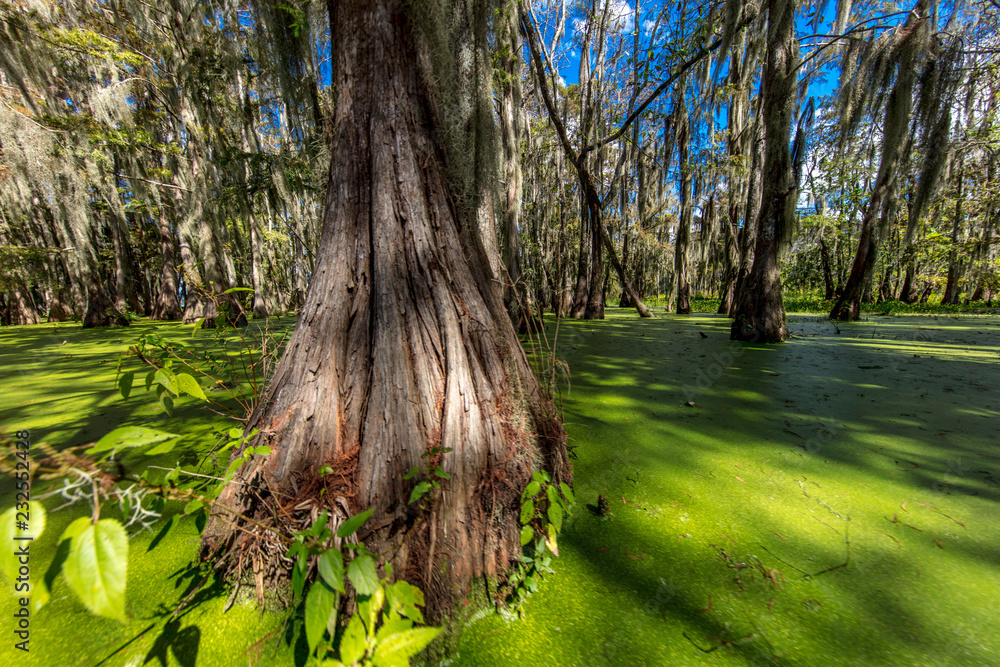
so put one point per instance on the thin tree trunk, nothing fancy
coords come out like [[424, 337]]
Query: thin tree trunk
[[681, 250], [880, 207], [748, 234], [824, 253], [515, 290], [167, 306], [952, 288]]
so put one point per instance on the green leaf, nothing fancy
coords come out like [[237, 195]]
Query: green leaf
[[197, 325], [404, 598], [320, 603], [398, 648], [190, 386], [527, 511], [530, 490], [392, 627], [200, 521], [439, 472], [550, 540], [556, 516], [331, 569], [193, 506], [351, 526], [161, 448], [369, 607], [149, 379], [527, 533], [167, 380], [125, 384], [232, 290], [127, 437], [567, 492], [235, 433], [298, 580], [553, 495], [96, 567], [542, 477], [168, 404], [361, 572], [413, 472], [320, 524], [353, 644], [418, 492], [9, 563]]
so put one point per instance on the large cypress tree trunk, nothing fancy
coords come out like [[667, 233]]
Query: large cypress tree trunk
[[760, 313], [403, 343]]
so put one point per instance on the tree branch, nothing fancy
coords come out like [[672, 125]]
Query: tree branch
[[677, 73]]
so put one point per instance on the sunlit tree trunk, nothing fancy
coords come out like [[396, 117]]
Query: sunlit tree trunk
[[760, 313], [403, 343]]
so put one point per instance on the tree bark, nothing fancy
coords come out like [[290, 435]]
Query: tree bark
[[681, 251], [879, 209], [515, 291], [101, 311], [952, 290], [760, 312], [403, 343], [167, 305]]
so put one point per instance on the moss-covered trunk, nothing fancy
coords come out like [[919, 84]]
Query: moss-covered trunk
[[760, 313]]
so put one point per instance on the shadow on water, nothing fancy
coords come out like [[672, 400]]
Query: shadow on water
[[826, 499]]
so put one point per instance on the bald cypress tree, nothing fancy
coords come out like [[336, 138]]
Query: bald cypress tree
[[759, 314], [404, 347]]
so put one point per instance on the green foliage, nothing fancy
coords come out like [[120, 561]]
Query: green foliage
[[382, 631], [172, 368], [96, 567], [128, 437], [433, 479], [544, 506]]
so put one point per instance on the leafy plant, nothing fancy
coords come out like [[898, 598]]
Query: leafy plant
[[381, 632], [238, 366], [432, 479], [544, 507]]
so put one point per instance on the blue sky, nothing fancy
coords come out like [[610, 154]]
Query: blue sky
[[622, 12]]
